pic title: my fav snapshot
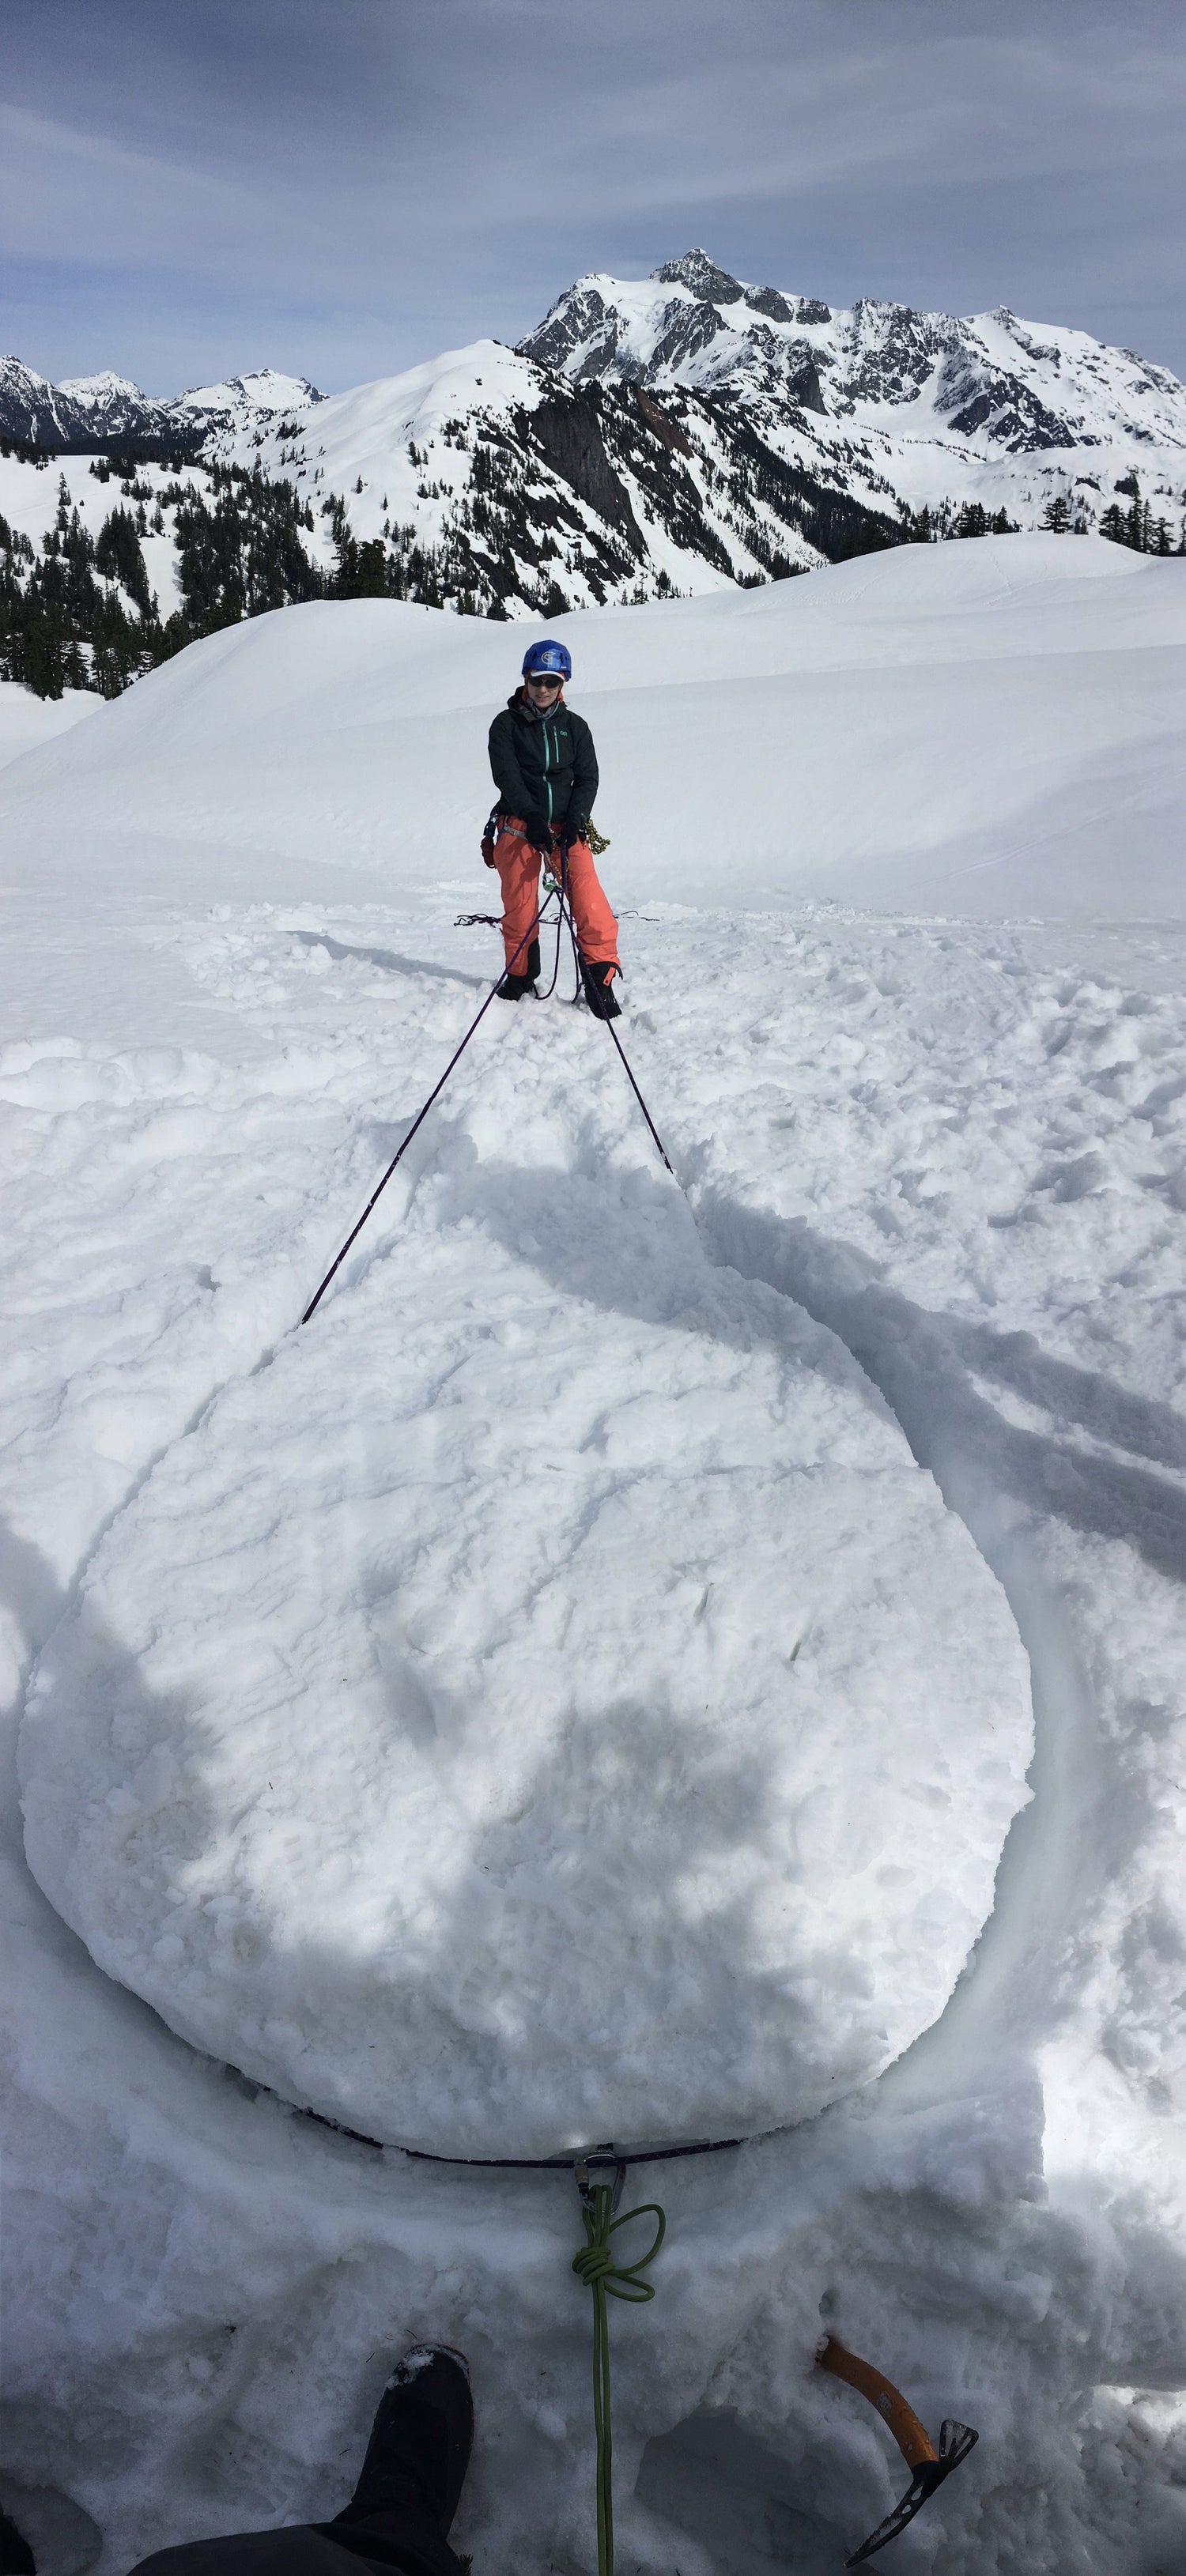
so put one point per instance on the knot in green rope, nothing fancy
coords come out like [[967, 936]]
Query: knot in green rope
[[595, 2266], [595, 2262]]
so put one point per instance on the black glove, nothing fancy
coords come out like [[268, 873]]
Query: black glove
[[538, 833], [574, 830]]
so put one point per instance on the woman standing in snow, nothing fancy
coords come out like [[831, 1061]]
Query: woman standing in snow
[[545, 770]]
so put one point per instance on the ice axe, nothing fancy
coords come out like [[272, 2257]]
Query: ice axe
[[929, 2466]]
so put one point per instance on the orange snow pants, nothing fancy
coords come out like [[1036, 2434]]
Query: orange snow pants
[[518, 868]]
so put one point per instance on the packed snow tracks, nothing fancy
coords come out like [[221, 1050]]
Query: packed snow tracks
[[548, 1701]]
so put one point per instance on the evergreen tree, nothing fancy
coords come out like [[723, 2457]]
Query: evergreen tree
[[1138, 523], [1057, 515], [118, 555], [367, 573], [44, 670]]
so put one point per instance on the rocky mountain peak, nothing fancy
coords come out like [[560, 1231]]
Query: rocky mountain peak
[[1006, 387], [701, 275]]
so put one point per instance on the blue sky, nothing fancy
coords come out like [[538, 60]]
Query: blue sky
[[342, 187]]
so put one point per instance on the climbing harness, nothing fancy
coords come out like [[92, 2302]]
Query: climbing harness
[[596, 2267], [930, 2466], [556, 890]]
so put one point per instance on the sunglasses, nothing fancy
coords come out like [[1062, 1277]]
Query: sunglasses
[[543, 680]]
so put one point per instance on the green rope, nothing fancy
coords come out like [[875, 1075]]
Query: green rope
[[595, 2265]]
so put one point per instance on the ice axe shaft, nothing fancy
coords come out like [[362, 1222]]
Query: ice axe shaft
[[912, 2438], [930, 2466]]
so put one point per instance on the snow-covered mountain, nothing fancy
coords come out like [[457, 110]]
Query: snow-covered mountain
[[680, 434], [988, 380], [499, 485], [985, 406], [692, 430], [253, 402], [88, 413]]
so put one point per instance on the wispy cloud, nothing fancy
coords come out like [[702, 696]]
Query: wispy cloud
[[346, 185]]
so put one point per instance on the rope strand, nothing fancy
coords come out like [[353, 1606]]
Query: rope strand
[[418, 1121], [595, 2266], [566, 905]]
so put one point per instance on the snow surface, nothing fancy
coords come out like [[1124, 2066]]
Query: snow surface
[[27, 720], [956, 1142], [611, 1734]]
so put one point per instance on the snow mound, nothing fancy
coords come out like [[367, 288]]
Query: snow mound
[[546, 1702], [983, 729]]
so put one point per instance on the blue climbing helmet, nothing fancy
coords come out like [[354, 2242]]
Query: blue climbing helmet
[[548, 656]]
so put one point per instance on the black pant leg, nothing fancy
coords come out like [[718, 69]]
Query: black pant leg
[[401, 2538], [299, 2551]]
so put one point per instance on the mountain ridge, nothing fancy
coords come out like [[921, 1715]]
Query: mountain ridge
[[651, 438], [94, 415], [1011, 385]]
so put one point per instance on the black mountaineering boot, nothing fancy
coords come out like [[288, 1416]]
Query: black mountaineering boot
[[513, 987], [415, 2465], [599, 988]]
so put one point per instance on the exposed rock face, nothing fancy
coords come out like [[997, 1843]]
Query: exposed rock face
[[567, 434], [108, 407], [767, 300], [33, 409], [701, 274], [685, 330]]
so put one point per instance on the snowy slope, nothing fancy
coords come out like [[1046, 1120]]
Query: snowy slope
[[30, 494], [494, 486], [680, 434], [957, 1144], [522, 490], [968, 737]]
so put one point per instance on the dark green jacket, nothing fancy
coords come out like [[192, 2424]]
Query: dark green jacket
[[544, 765]]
